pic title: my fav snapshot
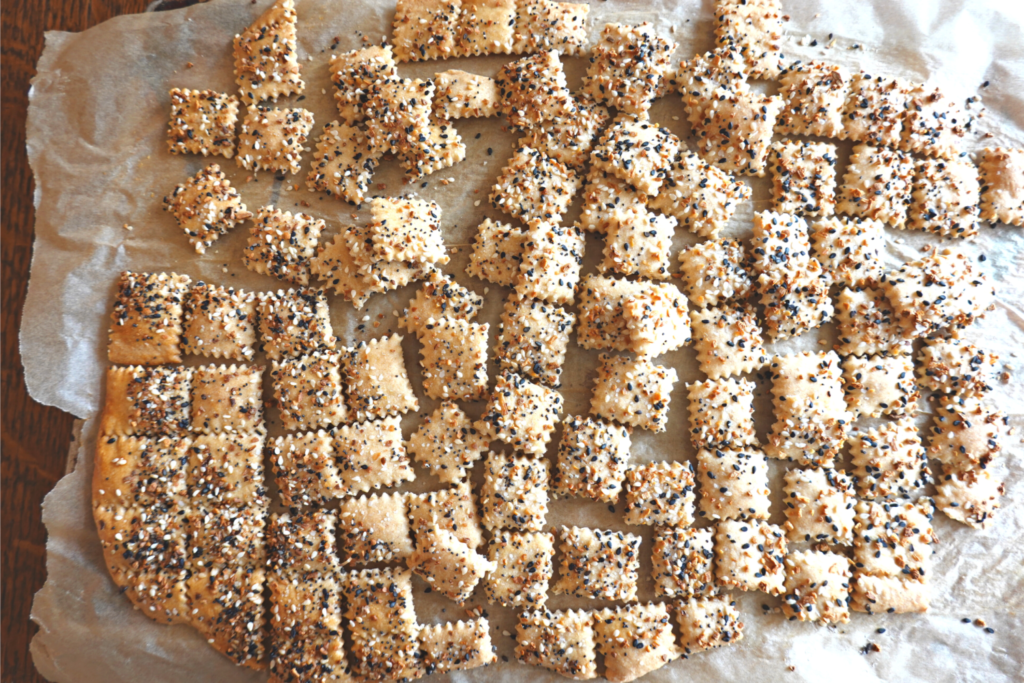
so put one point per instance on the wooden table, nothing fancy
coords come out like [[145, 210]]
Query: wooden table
[[34, 437]]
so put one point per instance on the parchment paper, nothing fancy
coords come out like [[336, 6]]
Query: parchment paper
[[96, 139]]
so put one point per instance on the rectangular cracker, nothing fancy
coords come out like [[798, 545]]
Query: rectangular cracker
[[151, 401], [874, 110], [446, 443], [448, 565], [945, 198], [815, 94], [206, 207], [850, 249], [376, 380], [702, 197], [453, 509], [343, 163], [592, 456], [406, 229], [533, 89], [139, 471], [700, 77], [598, 564], [533, 338], [880, 385], [1001, 172], [933, 124], [608, 201], [454, 359], [867, 324], [728, 342], [819, 506], [966, 433], [562, 642], [548, 25], [219, 322], [714, 272], [515, 493], [202, 122], [796, 302], [682, 563], [379, 614], [633, 392], [750, 556], [877, 184], [602, 324], [266, 55], [534, 186], [522, 569], [227, 470], [272, 139], [425, 29], [552, 259], [307, 391], [458, 646], [755, 30], [735, 130], [636, 151], [281, 244], [374, 528], [146, 322], [970, 496], [722, 413], [497, 253], [889, 460], [635, 640], [657, 320], [227, 398], [628, 65], [708, 624], [434, 148], [570, 138], [780, 243], [486, 27], [371, 455], [660, 493], [803, 177], [401, 108], [733, 483], [817, 587], [295, 322], [355, 75], [440, 296], [953, 366], [641, 246], [520, 413], [462, 95], [305, 469]]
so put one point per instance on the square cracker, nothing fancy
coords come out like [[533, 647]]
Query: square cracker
[[454, 359], [376, 379], [735, 130], [633, 392], [945, 198], [733, 483], [722, 413], [966, 433], [146, 323], [343, 163], [202, 122], [750, 556], [874, 110], [227, 398], [533, 89], [933, 124], [952, 366], [850, 249], [682, 563], [307, 391], [453, 509], [147, 401], [335, 266], [533, 339], [462, 95], [520, 413], [867, 324], [700, 196], [637, 151], [436, 147], [533, 186], [523, 569], [880, 385], [570, 138], [598, 564], [602, 323], [456, 646], [425, 29], [707, 624], [450, 566], [627, 67], [355, 74], [139, 471], [780, 244], [657, 320], [281, 244], [877, 185], [592, 458], [562, 642], [401, 112], [796, 302], [219, 322], [515, 493], [295, 322], [889, 460], [305, 631], [552, 259], [440, 296], [640, 247], [699, 78], [374, 529], [1001, 172], [272, 139], [547, 25], [970, 496], [728, 342], [305, 469], [755, 30], [803, 177], [497, 253], [206, 206], [446, 443], [608, 202], [266, 57], [486, 27], [660, 493], [226, 470], [406, 229], [815, 94], [819, 506], [817, 587], [715, 272], [635, 640], [370, 455]]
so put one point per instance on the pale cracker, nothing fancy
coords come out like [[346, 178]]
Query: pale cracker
[[407, 229], [812, 421], [699, 78], [750, 556], [874, 110], [1001, 172], [219, 322], [281, 244], [592, 456], [533, 338], [570, 138], [682, 563], [867, 324], [522, 569], [454, 359], [657, 320], [343, 163], [533, 89], [381, 620], [497, 253], [877, 184], [295, 322], [733, 483], [971, 497], [272, 139], [714, 272], [436, 147], [601, 322], [453, 508], [880, 385], [965, 433], [628, 65], [533, 186], [514, 494], [633, 392], [803, 177], [817, 587], [552, 259], [953, 366], [728, 342], [374, 529], [307, 391], [227, 398], [147, 401], [754, 30], [425, 29], [146, 322], [547, 25], [637, 151], [337, 269], [562, 642], [796, 302], [401, 113], [635, 640], [305, 631], [933, 124], [446, 443], [708, 624], [462, 95], [849, 249], [305, 469], [485, 27], [598, 564], [889, 460], [266, 56], [815, 94], [371, 455], [226, 470], [945, 198], [458, 646], [780, 243], [736, 131], [640, 246], [440, 296], [520, 413], [607, 202], [448, 565], [202, 122], [376, 379], [819, 506], [660, 493], [355, 74], [205, 207], [722, 413], [702, 197], [138, 471]]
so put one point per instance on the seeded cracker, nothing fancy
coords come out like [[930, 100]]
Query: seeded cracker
[[454, 359], [425, 29], [446, 443], [202, 122], [880, 385], [682, 563], [797, 301], [371, 455], [627, 67], [533, 339], [546, 25], [406, 229], [850, 249], [206, 207], [708, 624], [945, 198], [933, 124], [227, 399], [780, 244], [877, 185], [456, 646], [226, 470], [657, 320], [570, 138], [562, 642], [818, 504], [146, 323], [497, 253], [637, 151], [736, 130], [355, 74], [602, 321], [453, 509], [700, 196], [733, 484], [728, 342], [699, 78], [281, 244], [380, 275], [534, 186], [401, 109], [305, 469], [485, 27], [971, 495], [343, 163], [952, 366], [803, 177], [532, 90], [640, 247], [381, 620], [874, 110], [515, 493], [965, 434], [608, 202], [294, 322], [336, 268], [462, 95], [867, 324], [219, 322], [374, 529], [722, 413], [147, 401], [660, 493], [592, 458], [817, 587], [815, 93], [714, 272], [307, 391], [755, 30], [634, 392], [272, 139], [1002, 185], [889, 461], [438, 146], [523, 568], [635, 640], [892, 556], [552, 258], [448, 565], [139, 471], [751, 556], [376, 379], [266, 58], [596, 564]]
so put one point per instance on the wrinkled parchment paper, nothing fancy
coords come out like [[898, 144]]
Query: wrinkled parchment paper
[[96, 139]]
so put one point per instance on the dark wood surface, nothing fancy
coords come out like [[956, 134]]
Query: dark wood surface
[[34, 437]]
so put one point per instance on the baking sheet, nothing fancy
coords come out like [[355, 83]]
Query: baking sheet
[[96, 139]]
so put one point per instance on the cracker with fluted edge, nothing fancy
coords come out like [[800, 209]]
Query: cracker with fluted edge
[[533, 89], [750, 556], [335, 267], [819, 506], [803, 177], [202, 122], [282, 244], [295, 322], [453, 509], [797, 301], [548, 25], [219, 322], [608, 201], [849, 249], [376, 380], [817, 587], [497, 253], [308, 391], [461, 95], [272, 139], [446, 443], [533, 339], [657, 320], [702, 197], [371, 455], [877, 184], [343, 163], [641, 246], [520, 413], [514, 494], [533, 186], [867, 324], [815, 94], [722, 413], [682, 563], [966, 433], [454, 359], [458, 646], [305, 469], [598, 564], [628, 65], [382, 623], [1001, 172], [552, 259], [714, 272], [733, 483], [637, 151], [880, 385], [874, 109], [425, 29], [592, 456], [522, 568], [728, 342], [707, 624], [570, 138], [602, 323], [933, 124], [147, 401], [660, 493], [945, 198], [562, 642], [755, 29], [736, 131], [206, 207], [448, 565], [635, 640], [374, 528], [439, 296], [889, 460], [633, 392], [485, 27], [953, 366], [146, 321], [227, 398], [355, 74], [266, 55]]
